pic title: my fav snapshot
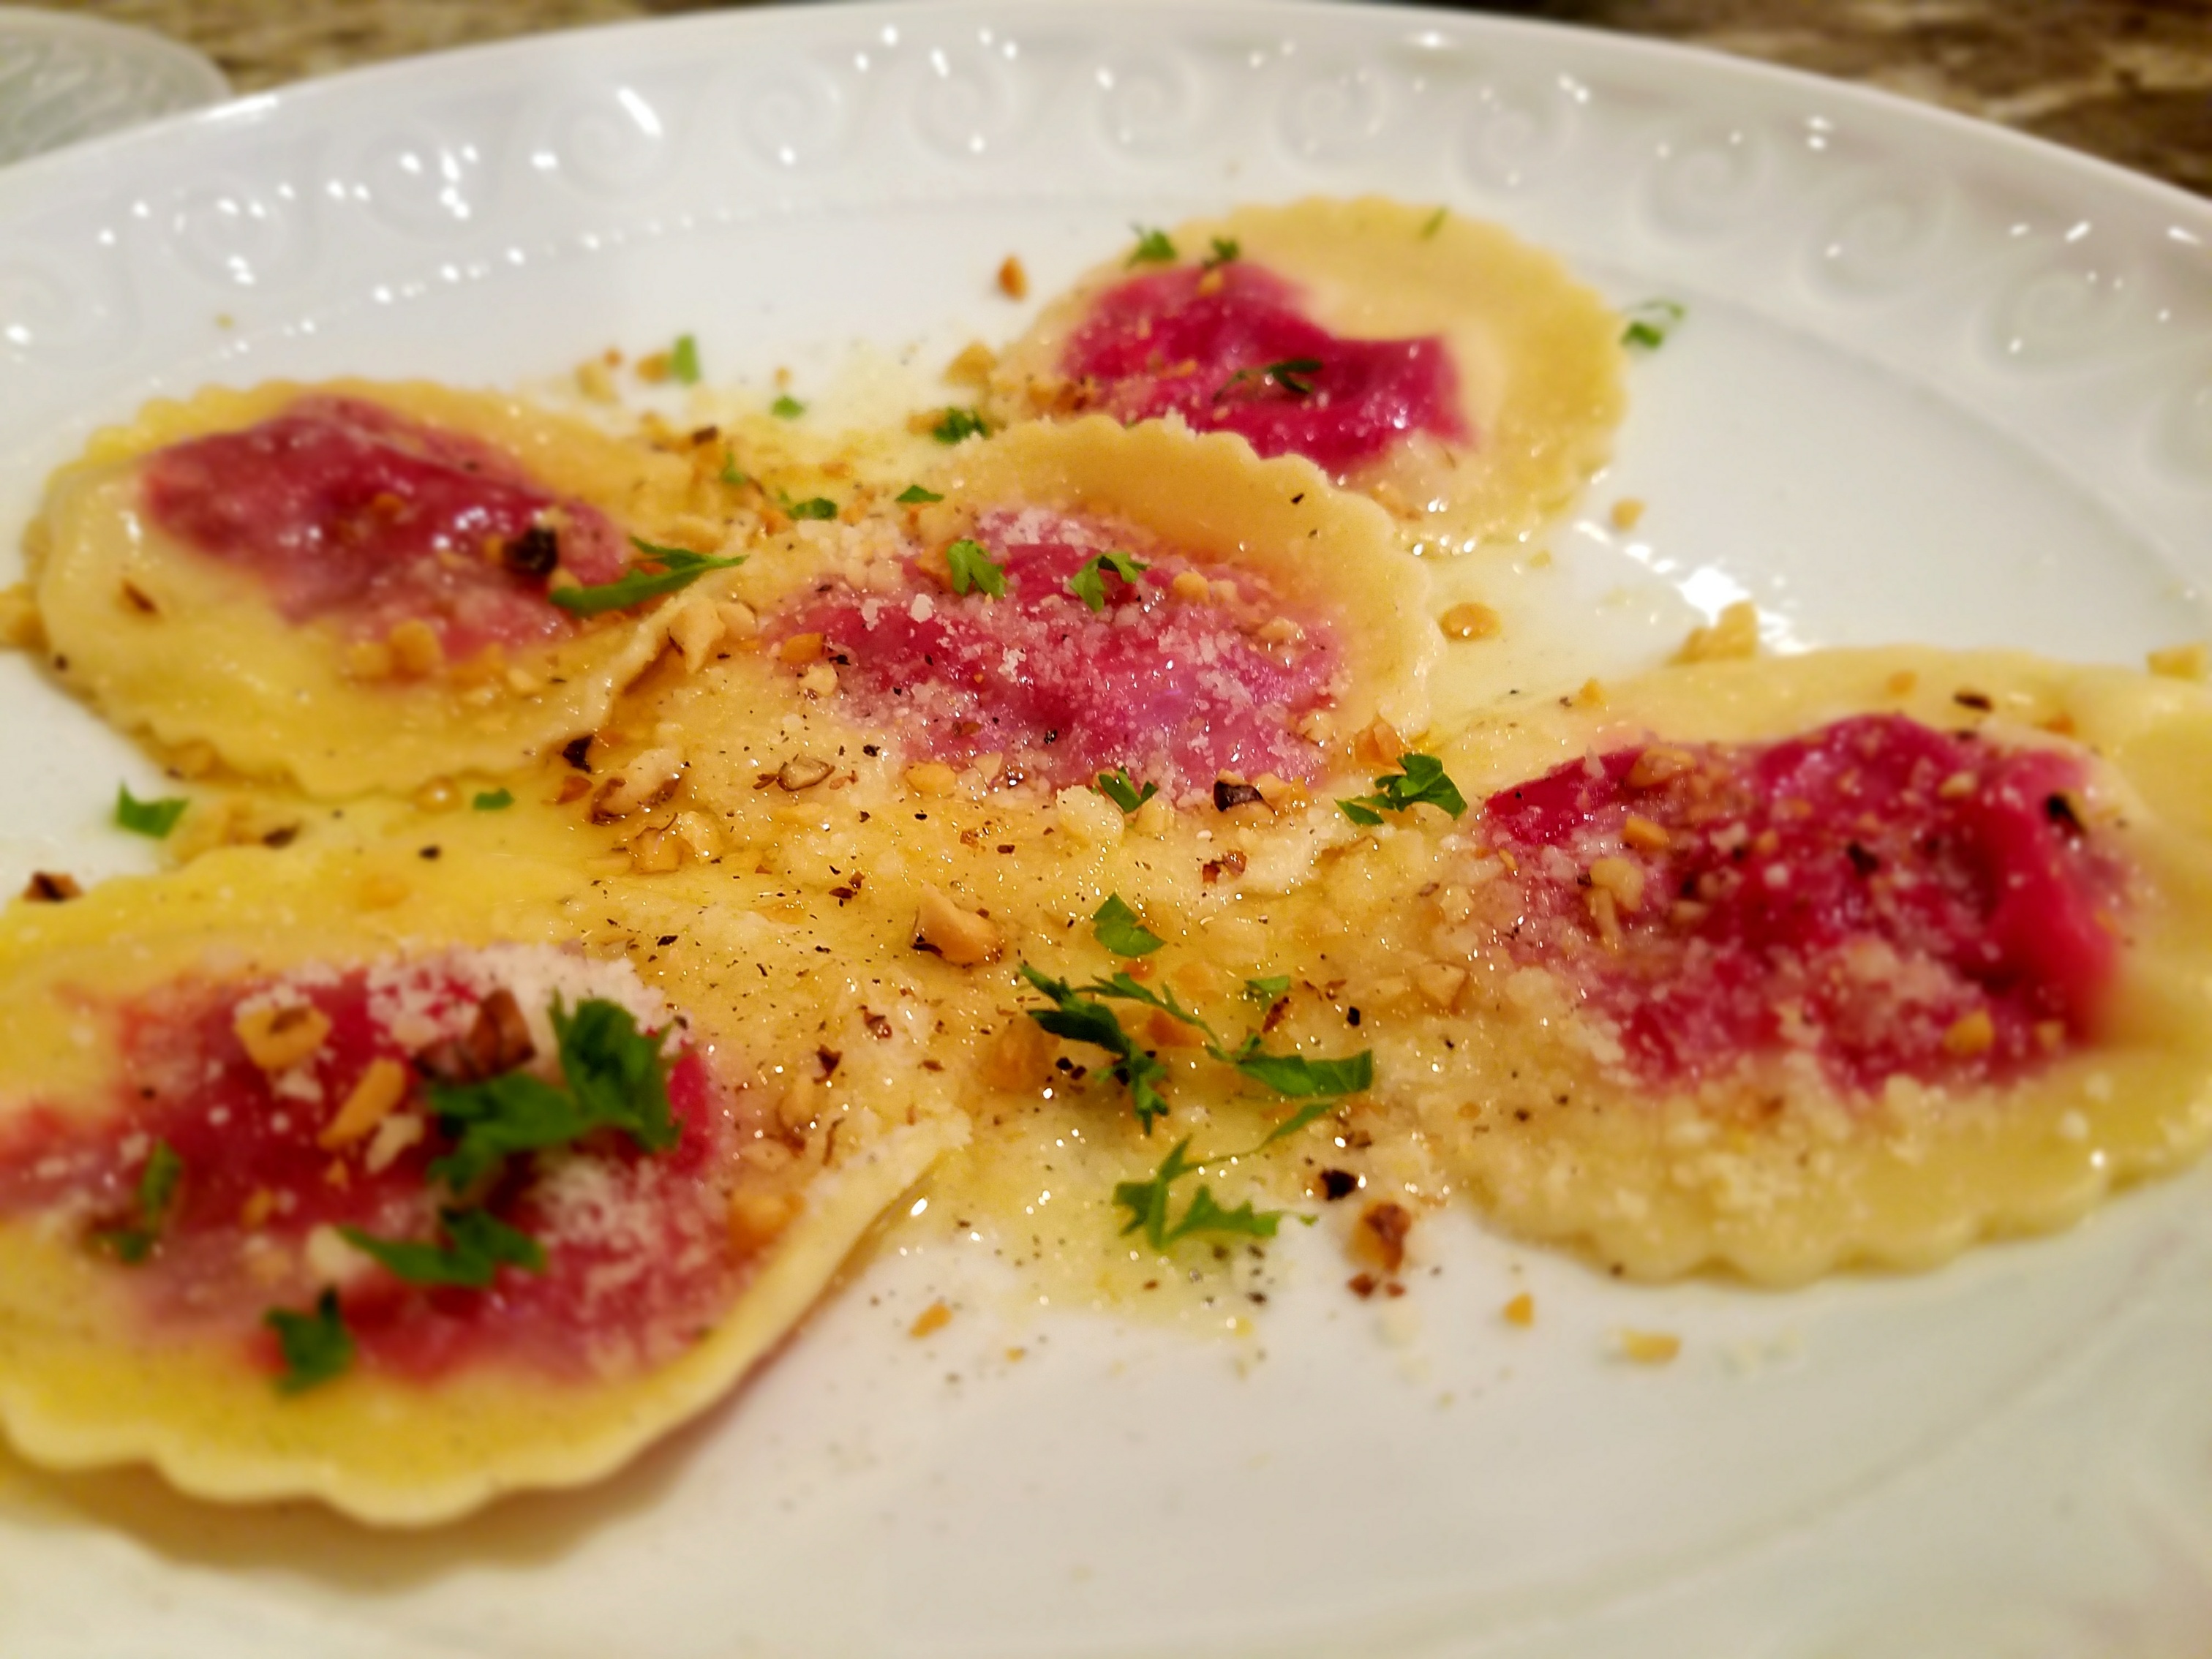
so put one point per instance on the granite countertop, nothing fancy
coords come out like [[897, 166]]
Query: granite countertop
[[2127, 79]]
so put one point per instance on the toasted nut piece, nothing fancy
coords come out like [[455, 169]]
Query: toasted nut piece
[[1590, 694], [1605, 915], [1380, 1237], [1279, 630], [756, 1219], [1013, 280], [931, 778], [1627, 513], [1644, 835], [1190, 588], [1735, 635], [800, 648], [1379, 744], [51, 887], [1018, 1056], [1958, 785], [740, 620], [1648, 1347], [193, 760], [1520, 1310], [700, 833], [802, 772], [820, 680], [1621, 878], [1656, 764], [987, 766], [1278, 793], [594, 382], [960, 937], [935, 1317], [1439, 983], [695, 629], [381, 1088], [973, 364], [645, 781], [1971, 1035], [392, 1137], [277, 1039], [2180, 662], [415, 649], [655, 853], [1471, 621]]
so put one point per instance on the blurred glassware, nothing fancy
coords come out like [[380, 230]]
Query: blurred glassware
[[65, 78]]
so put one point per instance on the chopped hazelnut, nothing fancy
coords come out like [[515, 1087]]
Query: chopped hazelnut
[[800, 648], [935, 1317], [695, 629], [1013, 280], [1379, 743], [277, 1039], [756, 1219], [51, 887], [1644, 835], [1969, 1035], [1657, 764], [645, 781], [381, 1088], [1018, 1056], [931, 778], [655, 853], [802, 772], [1190, 588], [1620, 877], [1734, 634], [415, 649], [1648, 1347], [1520, 1310], [960, 937], [1471, 621], [1382, 1234]]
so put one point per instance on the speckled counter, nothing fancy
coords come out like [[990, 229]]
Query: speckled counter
[[2128, 80]]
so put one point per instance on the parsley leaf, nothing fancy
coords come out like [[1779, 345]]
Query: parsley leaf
[[147, 817], [493, 801], [1290, 375], [613, 1076], [1153, 248], [814, 507], [1419, 778], [680, 568], [1650, 322], [974, 571], [1434, 223], [684, 361], [477, 1245], [1122, 988], [1298, 1078], [1116, 927], [916, 495], [1146, 1201], [729, 474], [1081, 1018], [317, 1347], [786, 407], [1226, 249], [157, 1191], [1267, 992], [956, 423], [1118, 787], [1089, 583]]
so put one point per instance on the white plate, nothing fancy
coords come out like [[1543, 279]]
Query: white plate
[[65, 79], [1936, 382]]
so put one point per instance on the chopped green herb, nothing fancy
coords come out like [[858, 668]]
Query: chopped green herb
[[1434, 223], [1650, 324], [1089, 583], [679, 567], [1268, 991], [493, 801], [973, 570], [317, 1347], [148, 817], [1146, 1201], [684, 361], [814, 507], [1420, 778], [1115, 927], [1226, 249], [916, 495], [1298, 1078], [1153, 247], [956, 423], [477, 1245], [612, 1077], [1123, 988], [1118, 787], [729, 474], [157, 1191], [786, 407], [1081, 1018], [1290, 375]]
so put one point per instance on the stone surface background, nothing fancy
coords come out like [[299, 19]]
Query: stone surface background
[[2127, 80]]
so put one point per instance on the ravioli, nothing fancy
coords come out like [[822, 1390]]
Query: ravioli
[[1458, 375], [351, 585], [1242, 617], [301, 1199], [1786, 966]]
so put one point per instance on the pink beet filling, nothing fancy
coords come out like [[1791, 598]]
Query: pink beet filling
[[1855, 893], [1200, 344], [345, 509], [252, 1173], [1174, 691]]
